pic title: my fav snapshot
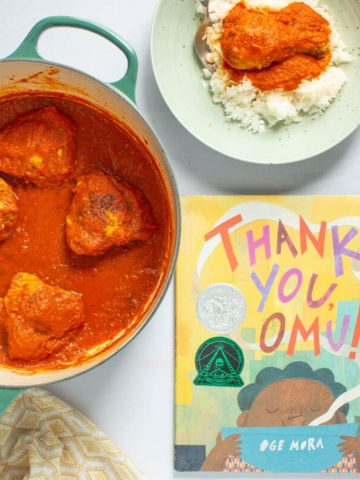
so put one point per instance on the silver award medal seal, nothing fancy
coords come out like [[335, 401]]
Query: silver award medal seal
[[221, 308]]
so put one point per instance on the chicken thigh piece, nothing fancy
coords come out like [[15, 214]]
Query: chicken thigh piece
[[105, 213], [8, 210], [38, 147], [257, 38], [38, 317]]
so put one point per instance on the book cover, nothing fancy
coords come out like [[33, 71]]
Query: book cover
[[267, 335]]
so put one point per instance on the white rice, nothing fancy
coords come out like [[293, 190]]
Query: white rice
[[257, 110]]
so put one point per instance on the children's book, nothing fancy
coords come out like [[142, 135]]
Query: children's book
[[267, 335]]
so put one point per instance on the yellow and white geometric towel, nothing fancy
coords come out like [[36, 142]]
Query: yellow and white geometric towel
[[43, 438]]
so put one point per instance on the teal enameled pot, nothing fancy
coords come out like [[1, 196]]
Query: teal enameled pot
[[25, 71]]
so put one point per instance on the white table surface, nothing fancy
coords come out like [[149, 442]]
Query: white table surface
[[131, 396]]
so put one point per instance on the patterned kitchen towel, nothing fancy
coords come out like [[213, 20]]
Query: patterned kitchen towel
[[43, 438]]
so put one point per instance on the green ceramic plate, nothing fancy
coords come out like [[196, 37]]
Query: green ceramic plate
[[179, 77]]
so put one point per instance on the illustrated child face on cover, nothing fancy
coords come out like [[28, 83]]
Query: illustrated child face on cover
[[290, 402], [294, 396]]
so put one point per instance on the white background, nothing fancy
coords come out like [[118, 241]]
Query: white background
[[131, 396]]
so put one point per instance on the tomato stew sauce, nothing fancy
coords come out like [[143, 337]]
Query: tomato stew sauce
[[117, 287]]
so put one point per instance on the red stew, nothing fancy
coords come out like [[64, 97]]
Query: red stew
[[118, 286], [275, 49], [286, 75]]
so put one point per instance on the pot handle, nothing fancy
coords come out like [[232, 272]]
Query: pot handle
[[7, 395], [28, 48]]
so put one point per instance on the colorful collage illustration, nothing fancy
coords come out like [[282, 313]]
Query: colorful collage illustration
[[268, 322]]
